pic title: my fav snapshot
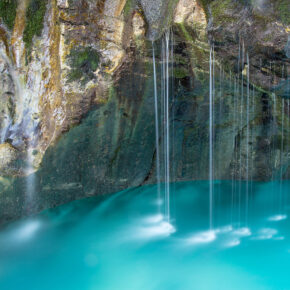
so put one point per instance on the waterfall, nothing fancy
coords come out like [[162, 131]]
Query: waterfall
[[241, 125], [274, 119], [281, 152], [30, 180], [166, 86], [247, 160], [211, 99], [156, 125], [162, 125], [234, 127], [165, 58], [252, 139]]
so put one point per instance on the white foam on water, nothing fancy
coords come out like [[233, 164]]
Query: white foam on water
[[161, 229], [277, 218], [242, 232], [154, 219], [233, 243], [224, 230], [266, 234], [202, 238], [27, 230]]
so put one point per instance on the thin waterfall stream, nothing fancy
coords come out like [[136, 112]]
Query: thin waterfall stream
[[144, 144], [157, 134], [248, 137], [163, 164], [243, 162], [282, 153], [211, 100]]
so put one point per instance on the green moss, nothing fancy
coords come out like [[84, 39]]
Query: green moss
[[181, 72], [205, 4], [8, 12], [218, 9], [34, 22], [83, 61], [284, 11], [185, 33], [128, 7]]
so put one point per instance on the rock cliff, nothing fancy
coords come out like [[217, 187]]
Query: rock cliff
[[76, 89]]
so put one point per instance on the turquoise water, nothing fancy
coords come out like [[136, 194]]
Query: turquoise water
[[125, 242]]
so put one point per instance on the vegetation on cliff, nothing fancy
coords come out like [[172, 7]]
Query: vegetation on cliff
[[8, 12], [83, 62], [34, 22], [283, 9]]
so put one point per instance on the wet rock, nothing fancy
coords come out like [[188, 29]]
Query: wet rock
[[8, 158], [139, 25], [88, 90], [234, 25], [7, 94], [190, 20], [158, 14]]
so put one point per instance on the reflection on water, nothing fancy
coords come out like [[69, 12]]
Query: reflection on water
[[126, 243]]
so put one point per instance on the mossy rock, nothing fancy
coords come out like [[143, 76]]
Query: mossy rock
[[283, 8], [34, 23], [129, 7], [218, 10], [8, 12], [83, 61], [181, 72]]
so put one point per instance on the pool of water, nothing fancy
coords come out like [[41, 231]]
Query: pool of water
[[126, 242]]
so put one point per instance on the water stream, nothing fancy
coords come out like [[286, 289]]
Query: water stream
[[211, 111], [157, 134]]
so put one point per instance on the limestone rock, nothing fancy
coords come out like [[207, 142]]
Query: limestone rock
[[234, 24], [8, 158], [82, 100], [138, 24], [7, 94], [158, 14]]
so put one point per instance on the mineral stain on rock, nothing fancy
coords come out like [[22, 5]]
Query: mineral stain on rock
[[80, 74]]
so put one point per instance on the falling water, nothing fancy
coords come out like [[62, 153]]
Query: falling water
[[241, 128], [234, 128], [211, 80], [166, 55], [252, 140], [30, 180], [275, 107], [156, 125], [248, 109], [281, 152]]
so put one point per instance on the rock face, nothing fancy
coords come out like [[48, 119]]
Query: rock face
[[8, 159], [76, 88], [158, 15], [7, 94]]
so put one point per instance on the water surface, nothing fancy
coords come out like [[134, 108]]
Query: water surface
[[125, 241]]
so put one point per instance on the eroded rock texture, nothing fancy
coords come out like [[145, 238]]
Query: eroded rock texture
[[77, 107]]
